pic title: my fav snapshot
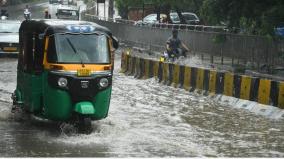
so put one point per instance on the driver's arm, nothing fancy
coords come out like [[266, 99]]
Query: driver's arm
[[168, 47], [184, 46]]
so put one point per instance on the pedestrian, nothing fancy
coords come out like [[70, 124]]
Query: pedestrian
[[175, 47], [164, 19], [46, 14]]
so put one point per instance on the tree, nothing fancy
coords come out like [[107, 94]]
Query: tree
[[161, 6], [248, 16]]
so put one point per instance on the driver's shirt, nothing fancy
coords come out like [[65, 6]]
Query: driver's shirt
[[174, 43]]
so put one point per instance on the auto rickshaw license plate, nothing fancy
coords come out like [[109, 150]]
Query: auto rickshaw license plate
[[10, 49], [83, 72]]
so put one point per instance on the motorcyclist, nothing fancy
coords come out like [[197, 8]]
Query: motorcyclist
[[4, 15], [27, 13], [175, 47]]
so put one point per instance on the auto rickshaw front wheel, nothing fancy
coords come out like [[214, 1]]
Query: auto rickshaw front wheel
[[84, 125]]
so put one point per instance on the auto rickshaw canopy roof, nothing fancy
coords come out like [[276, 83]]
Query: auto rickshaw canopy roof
[[53, 26]]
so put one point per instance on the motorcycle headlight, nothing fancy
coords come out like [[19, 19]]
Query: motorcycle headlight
[[62, 82], [103, 82]]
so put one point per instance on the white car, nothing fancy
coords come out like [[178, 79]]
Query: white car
[[68, 12], [190, 18], [9, 36], [149, 20]]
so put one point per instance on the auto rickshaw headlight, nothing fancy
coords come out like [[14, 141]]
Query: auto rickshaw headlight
[[103, 82], [62, 82]]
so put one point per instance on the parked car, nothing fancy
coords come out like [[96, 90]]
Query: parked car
[[54, 2], [149, 20], [9, 36], [190, 18], [68, 12]]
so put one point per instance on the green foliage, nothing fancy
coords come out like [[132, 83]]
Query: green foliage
[[248, 16], [219, 38], [244, 16]]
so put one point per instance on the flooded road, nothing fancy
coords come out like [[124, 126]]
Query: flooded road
[[36, 9], [146, 119]]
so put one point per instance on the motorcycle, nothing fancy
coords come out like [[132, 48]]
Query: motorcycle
[[172, 56]]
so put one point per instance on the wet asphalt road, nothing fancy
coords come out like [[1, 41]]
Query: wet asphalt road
[[37, 11], [146, 119]]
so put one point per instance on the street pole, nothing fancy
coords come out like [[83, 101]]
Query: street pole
[[143, 11], [97, 9], [104, 10], [110, 8]]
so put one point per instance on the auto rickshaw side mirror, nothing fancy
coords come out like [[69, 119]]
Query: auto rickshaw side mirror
[[115, 42]]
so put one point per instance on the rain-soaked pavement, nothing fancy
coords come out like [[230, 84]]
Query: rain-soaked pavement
[[36, 9], [146, 119]]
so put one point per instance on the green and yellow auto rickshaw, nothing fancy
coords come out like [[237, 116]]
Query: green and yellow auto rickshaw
[[65, 70]]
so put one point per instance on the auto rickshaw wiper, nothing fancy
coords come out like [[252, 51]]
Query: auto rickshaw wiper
[[75, 51]]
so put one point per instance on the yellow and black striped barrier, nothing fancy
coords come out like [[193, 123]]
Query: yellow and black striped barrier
[[211, 82]]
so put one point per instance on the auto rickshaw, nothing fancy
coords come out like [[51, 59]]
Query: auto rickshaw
[[64, 71]]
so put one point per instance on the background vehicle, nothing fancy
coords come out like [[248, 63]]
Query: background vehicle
[[65, 71], [4, 14], [68, 12], [149, 20], [27, 14], [9, 36], [54, 1], [190, 18], [173, 56]]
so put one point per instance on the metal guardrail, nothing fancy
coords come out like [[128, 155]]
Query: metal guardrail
[[256, 52], [164, 25]]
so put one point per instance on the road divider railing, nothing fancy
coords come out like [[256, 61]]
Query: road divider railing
[[205, 81], [189, 27]]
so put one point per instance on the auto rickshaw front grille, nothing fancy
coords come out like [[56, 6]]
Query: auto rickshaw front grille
[[80, 88]]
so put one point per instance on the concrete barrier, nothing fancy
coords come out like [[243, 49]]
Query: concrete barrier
[[241, 88]]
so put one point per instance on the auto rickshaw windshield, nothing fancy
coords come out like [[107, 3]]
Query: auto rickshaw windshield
[[79, 48]]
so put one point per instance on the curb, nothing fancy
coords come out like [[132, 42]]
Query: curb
[[259, 95]]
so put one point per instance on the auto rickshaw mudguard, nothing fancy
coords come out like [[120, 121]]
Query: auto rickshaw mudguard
[[101, 104], [84, 108]]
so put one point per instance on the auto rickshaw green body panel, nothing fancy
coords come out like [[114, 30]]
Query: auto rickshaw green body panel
[[60, 90]]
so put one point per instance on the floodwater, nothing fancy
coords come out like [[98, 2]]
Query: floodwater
[[146, 119]]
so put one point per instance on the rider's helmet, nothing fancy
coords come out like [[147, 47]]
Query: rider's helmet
[[174, 31]]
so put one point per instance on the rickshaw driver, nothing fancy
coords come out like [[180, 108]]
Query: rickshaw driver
[[67, 47]]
